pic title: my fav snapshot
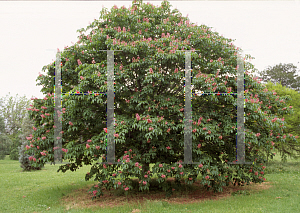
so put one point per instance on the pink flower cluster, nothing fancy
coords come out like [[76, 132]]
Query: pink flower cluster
[[31, 158], [274, 119], [105, 181], [137, 117], [199, 121]]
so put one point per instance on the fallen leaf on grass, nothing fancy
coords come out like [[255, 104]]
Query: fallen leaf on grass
[[278, 197]]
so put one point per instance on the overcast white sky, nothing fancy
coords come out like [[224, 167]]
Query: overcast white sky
[[32, 31]]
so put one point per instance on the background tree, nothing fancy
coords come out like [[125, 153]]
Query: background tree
[[284, 74], [13, 109], [14, 144], [292, 121], [148, 83], [4, 140]]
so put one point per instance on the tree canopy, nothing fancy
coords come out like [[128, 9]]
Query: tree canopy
[[149, 68], [285, 74]]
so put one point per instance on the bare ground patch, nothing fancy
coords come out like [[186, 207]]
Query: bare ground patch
[[81, 199]]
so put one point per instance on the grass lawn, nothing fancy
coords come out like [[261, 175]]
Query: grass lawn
[[49, 191]]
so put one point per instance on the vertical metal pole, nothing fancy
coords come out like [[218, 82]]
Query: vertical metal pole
[[188, 111], [240, 112], [110, 107], [57, 111]]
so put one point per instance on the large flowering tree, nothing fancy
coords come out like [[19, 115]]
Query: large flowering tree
[[149, 99]]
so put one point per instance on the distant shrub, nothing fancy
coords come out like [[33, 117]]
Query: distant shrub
[[24, 159]]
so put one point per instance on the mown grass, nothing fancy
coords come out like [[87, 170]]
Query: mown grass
[[43, 191]]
